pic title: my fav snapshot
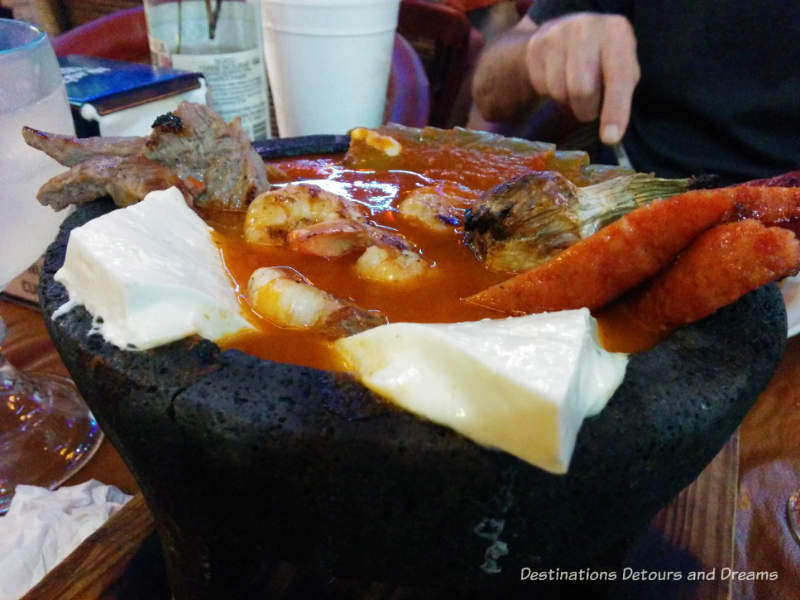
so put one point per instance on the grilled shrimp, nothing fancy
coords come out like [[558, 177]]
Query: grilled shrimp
[[276, 214], [308, 219], [329, 238], [338, 237], [286, 299], [438, 207], [390, 264]]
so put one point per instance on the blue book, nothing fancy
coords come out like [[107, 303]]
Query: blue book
[[112, 86]]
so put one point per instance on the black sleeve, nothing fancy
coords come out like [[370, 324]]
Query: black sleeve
[[544, 10]]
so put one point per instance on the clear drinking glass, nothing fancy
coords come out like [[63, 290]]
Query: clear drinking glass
[[46, 431]]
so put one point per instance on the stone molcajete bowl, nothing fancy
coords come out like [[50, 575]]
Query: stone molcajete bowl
[[244, 461]]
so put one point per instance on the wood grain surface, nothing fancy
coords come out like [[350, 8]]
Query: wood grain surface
[[767, 558], [101, 558]]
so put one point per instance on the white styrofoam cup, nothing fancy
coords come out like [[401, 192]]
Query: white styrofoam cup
[[328, 62]]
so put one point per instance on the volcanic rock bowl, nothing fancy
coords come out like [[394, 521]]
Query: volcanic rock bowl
[[244, 461]]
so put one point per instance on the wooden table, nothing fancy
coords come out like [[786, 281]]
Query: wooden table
[[732, 518]]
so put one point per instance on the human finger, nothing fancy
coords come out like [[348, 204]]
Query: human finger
[[536, 60], [620, 73], [583, 77], [555, 75]]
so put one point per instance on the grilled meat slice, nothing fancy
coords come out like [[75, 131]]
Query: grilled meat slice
[[197, 143], [127, 179], [70, 151], [212, 157]]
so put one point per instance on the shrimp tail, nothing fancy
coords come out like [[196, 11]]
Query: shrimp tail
[[350, 320]]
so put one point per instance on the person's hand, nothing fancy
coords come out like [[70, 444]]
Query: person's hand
[[585, 60]]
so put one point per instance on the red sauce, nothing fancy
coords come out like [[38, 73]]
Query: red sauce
[[437, 297], [472, 167], [620, 333]]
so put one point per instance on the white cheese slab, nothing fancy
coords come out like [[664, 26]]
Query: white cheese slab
[[150, 274], [522, 384]]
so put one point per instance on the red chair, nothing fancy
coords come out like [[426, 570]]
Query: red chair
[[408, 95], [448, 45], [120, 36]]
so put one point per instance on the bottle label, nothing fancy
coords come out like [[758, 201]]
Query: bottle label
[[237, 85]]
